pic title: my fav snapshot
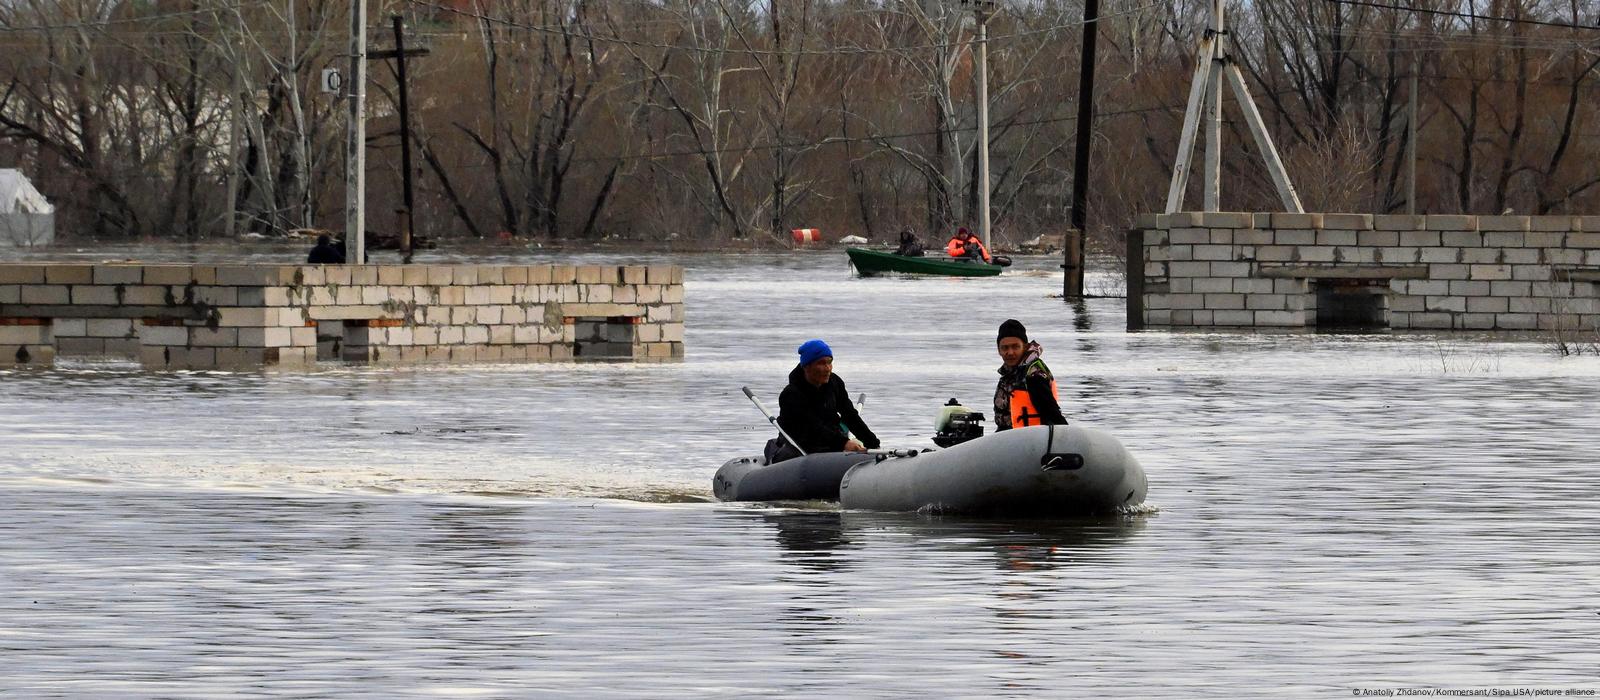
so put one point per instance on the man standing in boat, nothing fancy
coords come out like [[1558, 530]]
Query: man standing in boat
[[966, 245], [815, 410], [1027, 394]]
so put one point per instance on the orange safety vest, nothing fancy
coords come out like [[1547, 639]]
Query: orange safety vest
[[1023, 412], [958, 248]]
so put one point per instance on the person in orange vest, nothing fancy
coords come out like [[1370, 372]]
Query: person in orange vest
[[1027, 394], [966, 245]]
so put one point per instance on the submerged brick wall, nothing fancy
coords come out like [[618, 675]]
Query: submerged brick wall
[[200, 316], [1421, 272]]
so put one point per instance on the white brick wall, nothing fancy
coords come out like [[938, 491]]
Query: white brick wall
[[205, 315], [1479, 272]]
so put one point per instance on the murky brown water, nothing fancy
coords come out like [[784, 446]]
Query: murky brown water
[[1332, 513]]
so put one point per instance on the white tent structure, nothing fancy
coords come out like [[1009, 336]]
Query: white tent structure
[[26, 217]]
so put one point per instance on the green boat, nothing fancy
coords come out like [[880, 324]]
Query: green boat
[[873, 262]]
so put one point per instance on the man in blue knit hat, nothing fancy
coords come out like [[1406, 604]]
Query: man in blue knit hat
[[815, 409]]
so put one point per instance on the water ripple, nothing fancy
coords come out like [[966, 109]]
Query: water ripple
[[1327, 513]]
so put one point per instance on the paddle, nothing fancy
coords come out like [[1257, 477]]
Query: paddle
[[774, 421], [770, 419]]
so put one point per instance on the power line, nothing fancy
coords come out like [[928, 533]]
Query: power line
[[872, 138], [97, 24], [1463, 15], [1458, 41], [1453, 44], [837, 51], [844, 139]]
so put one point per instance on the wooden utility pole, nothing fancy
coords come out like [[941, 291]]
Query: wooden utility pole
[[399, 54], [1078, 238], [405, 140], [355, 176]]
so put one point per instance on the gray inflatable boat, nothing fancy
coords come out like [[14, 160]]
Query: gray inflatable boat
[[1043, 471], [810, 478]]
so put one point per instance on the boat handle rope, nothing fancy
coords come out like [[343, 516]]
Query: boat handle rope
[[886, 454], [1052, 461]]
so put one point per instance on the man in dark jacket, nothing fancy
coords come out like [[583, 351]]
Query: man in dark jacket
[[815, 409], [1027, 394], [325, 252], [909, 245]]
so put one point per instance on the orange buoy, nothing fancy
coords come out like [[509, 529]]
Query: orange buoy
[[806, 236]]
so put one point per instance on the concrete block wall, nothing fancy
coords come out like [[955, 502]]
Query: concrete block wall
[[1434, 271], [98, 337], [26, 342], [201, 316]]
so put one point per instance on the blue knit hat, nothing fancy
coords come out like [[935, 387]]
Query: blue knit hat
[[814, 350]]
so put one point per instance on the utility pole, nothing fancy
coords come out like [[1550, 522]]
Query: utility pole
[[1078, 237], [355, 176], [1212, 184], [400, 53], [982, 9], [1213, 64], [235, 126], [1411, 141]]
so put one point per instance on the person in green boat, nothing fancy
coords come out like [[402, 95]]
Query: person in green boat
[[910, 245], [966, 245]]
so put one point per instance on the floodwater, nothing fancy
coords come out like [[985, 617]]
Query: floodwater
[[1328, 514]]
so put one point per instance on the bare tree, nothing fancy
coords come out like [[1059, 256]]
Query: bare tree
[[690, 85], [585, 119]]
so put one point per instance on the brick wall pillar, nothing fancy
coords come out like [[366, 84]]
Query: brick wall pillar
[[26, 342]]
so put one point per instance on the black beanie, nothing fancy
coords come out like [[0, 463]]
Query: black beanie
[[1012, 328]]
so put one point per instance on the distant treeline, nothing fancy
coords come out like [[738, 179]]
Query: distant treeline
[[717, 119]]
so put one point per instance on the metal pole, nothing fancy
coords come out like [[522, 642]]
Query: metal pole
[[235, 128], [1073, 280], [1411, 143], [355, 177], [983, 121], [409, 229], [1135, 279]]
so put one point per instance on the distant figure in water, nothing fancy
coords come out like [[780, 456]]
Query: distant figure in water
[[815, 410], [910, 246], [325, 252]]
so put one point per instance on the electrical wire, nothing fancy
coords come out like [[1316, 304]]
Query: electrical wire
[[871, 138], [1462, 15], [1458, 41], [99, 24], [837, 51]]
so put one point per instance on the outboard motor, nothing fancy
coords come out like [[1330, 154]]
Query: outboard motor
[[956, 424]]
